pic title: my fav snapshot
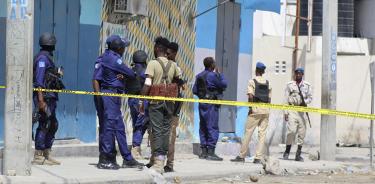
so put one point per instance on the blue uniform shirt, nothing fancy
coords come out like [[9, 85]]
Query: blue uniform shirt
[[43, 62], [98, 71], [112, 66], [214, 81]]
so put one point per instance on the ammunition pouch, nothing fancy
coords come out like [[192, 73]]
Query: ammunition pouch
[[164, 90]]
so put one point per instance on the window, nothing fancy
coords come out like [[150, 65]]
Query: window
[[121, 6]]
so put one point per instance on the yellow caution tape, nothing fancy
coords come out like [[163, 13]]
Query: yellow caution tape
[[2, 87], [222, 102]]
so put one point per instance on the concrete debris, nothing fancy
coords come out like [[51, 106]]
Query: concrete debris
[[177, 180], [157, 177], [272, 166], [254, 178], [314, 157]]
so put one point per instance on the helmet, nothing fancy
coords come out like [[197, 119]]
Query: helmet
[[139, 56], [47, 39]]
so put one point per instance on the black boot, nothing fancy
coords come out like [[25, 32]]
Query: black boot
[[238, 159], [203, 154], [131, 164], [298, 154], [212, 156], [287, 151], [106, 162], [168, 169]]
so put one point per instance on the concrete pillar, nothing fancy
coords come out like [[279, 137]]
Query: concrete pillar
[[18, 95], [329, 58]]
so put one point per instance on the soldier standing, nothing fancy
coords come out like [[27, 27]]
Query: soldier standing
[[297, 92]]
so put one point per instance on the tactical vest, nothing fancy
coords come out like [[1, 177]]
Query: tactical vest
[[261, 92], [134, 86], [52, 79]]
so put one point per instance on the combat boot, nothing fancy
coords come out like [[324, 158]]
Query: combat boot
[[47, 155], [131, 164], [203, 154], [237, 159], [212, 156], [136, 153], [158, 165], [107, 163], [298, 154], [39, 159], [287, 151]]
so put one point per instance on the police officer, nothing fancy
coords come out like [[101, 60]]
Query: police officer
[[172, 52], [209, 84], [258, 90], [96, 81], [114, 127], [45, 76], [159, 72], [134, 87], [296, 120]]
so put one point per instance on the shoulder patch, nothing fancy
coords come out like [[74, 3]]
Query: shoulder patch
[[119, 61], [41, 64], [97, 65]]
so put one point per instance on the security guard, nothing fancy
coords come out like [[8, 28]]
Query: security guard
[[172, 52], [134, 87], [297, 92], [46, 76], [258, 90], [114, 127], [209, 84], [159, 72], [96, 81]]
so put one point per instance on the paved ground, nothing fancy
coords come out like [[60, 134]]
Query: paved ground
[[190, 169]]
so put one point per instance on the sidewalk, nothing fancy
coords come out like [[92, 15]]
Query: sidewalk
[[188, 168]]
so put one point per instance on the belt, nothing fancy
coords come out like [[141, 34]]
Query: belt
[[118, 90]]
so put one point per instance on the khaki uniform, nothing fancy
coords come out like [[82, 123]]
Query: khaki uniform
[[173, 135], [297, 120], [258, 118]]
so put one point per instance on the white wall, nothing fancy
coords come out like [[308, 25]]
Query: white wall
[[353, 85]]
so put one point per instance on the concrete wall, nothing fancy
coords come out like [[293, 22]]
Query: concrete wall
[[353, 85]]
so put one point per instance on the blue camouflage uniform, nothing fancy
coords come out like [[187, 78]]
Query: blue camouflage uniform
[[209, 113], [48, 124], [140, 121], [114, 127]]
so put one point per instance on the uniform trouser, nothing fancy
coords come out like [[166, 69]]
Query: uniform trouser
[[140, 121], [100, 113], [253, 121], [296, 125], [45, 133], [160, 120], [172, 141], [208, 125], [113, 127]]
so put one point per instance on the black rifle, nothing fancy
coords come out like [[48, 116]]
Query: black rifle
[[304, 104]]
